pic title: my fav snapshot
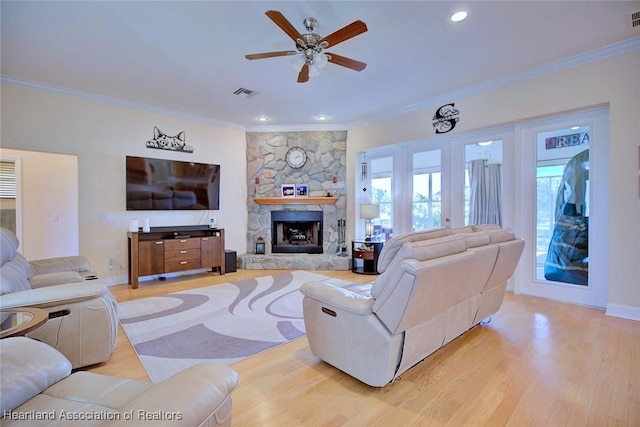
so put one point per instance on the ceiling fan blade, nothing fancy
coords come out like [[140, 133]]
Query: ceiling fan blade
[[345, 33], [346, 62], [270, 54], [304, 74], [284, 24]]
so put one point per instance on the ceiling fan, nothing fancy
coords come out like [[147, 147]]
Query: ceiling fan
[[310, 47]]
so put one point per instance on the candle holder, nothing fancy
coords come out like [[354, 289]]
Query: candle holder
[[260, 246]]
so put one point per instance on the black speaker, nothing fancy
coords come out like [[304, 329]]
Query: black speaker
[[230, 261]]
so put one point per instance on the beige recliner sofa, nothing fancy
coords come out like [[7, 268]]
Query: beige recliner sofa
[[38, 389], [83, 317], [434, 286]]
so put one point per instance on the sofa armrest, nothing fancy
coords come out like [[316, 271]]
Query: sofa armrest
[[58, 264], [54, 295], [346, 299], [28, 368], [54, 279], [190, 397]]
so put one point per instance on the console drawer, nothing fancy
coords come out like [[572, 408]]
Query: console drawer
[[181, 255], [180, 265], [179, 244]]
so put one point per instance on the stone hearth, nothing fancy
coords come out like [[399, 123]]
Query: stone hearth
[[294, 262]]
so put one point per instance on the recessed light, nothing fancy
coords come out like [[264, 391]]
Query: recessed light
[[459, 16], [485, 143], [263, 119], [575, 128], [322, 117]]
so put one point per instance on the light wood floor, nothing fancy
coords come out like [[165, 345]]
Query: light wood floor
[[537, 363]]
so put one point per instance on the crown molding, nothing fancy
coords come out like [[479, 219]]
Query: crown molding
[[561, 65], [297, 128], [608, 51], [88, 96]]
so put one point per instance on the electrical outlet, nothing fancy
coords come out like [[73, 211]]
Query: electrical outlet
[[111, 263]]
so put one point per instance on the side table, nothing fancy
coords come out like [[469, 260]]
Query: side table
[[20, 321], [364, 256]]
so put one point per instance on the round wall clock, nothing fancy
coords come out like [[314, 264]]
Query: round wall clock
[[296, 157]]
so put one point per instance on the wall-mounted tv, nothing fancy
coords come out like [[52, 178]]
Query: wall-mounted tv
[[162, 184]]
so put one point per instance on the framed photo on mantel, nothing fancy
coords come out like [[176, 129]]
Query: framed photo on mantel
[[302, 190], [288, 190]]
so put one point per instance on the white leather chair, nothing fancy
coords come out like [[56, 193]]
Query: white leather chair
[[83, 317], [38, 389]]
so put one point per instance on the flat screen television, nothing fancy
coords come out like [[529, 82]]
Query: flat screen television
[[162, 184]]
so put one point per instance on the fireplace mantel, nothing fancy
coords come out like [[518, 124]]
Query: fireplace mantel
[[295, 200]]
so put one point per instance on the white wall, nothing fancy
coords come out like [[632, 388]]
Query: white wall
[[612, 81], [49, 203], [101, 136]]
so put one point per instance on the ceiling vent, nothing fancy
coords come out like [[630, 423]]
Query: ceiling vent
[[244, 93], [635, 20]]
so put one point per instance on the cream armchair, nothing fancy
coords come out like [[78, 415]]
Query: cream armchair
[[433, 287], [82, 312], [38, 389]]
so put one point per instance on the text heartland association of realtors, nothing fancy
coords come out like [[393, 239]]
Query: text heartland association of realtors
[[103, 415]]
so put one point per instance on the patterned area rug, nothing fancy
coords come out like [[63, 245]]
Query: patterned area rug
[[222, 323]]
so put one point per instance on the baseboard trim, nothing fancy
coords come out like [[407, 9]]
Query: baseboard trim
[[623, 311]]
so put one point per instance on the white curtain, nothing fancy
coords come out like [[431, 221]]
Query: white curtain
[[485, 201]]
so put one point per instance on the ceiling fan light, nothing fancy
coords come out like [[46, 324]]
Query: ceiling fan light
[[320, 59], [313, 70], [298, 62]]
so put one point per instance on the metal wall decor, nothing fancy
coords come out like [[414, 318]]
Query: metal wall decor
[[163, 141], [364, 174], [445, 118]]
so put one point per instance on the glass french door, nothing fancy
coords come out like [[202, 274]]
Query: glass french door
[[563, 164], [418, 200], [427, 190]]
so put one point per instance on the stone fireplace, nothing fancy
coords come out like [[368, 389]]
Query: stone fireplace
[[296, 232], [311, 243]]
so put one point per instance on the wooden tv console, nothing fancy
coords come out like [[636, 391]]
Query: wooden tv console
[[171, 249]]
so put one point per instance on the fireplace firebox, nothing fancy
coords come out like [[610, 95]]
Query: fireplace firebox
[[296, 232]]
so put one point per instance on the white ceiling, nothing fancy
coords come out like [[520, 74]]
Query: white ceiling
[[187, 57]]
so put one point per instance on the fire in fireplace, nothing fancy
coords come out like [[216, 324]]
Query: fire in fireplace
[[296, 232]]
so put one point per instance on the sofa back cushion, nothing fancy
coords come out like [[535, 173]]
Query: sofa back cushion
[[15, 269], [420, 275], [393, 245], [8, 245], [14, 276], [421, 250]]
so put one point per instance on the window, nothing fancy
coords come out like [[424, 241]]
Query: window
[[484, 202], [562, 208], [8, 195], [426, 201], [427, 190], [381, 192]]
